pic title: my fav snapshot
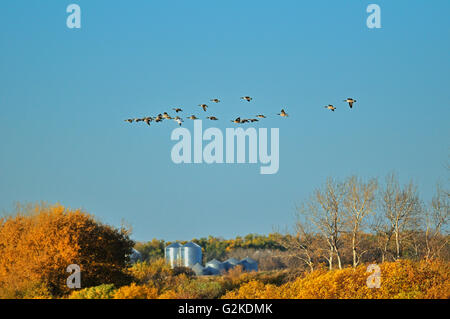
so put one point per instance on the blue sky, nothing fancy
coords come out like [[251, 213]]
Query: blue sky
[[65, 93]]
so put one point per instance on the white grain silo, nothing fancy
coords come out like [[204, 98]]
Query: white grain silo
[[191, 254]]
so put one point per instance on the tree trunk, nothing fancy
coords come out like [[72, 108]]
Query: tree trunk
[[397, 244], [330, 260], [338, 259], [355, 262]]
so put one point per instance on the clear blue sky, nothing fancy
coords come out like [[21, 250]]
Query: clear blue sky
[[65, 93]]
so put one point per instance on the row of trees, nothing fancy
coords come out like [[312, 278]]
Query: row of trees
[[369, 222], [214, 247]]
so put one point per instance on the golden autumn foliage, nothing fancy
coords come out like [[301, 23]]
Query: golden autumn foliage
[[402, 279], [135, 291], [39, 243]]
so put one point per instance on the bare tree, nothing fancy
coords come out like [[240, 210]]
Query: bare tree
[[325, 213], [359, 202], [401, 207], [383, 234], [436, 220], [303, 245]]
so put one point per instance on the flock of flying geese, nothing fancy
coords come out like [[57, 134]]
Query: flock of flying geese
[[179, 120]]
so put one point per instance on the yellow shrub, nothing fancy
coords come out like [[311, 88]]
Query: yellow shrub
[[403, 279], [134, 291]]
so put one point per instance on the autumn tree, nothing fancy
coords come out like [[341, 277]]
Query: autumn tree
[[325, 211], [303, 245], [436, 220], [39, 242], [401, 209], [359, 202]]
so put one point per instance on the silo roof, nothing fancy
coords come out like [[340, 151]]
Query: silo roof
[[191, 244], [249, 260], [174, 245], [214, 261], [232, 261], [197, 266]]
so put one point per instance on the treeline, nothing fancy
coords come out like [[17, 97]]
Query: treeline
[[355, 221], [343, 223], [213, 247]]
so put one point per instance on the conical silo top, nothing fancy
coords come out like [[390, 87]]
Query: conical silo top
[[174, 245], [232, 261], [214, 262], [198, 267], [191, 244], [249, 260]]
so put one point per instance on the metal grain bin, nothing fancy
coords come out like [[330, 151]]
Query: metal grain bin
[[198, 269], [135, 256], [217, 265], [249, 264], [230, 263], [173, 255], [191, 254], [211, 271]]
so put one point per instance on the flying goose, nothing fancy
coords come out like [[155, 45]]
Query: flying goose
[[283, 113], [129, 120], [350, 101], [238, 120], [192, 117], [215, 100], [247, 98], [178, 120], [204, 106], [244, 121], [177, 110], [261, 116], [148, 120], [166, 116], [330, 107], [253, 120], [212, 118]]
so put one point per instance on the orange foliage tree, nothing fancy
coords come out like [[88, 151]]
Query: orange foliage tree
[[39, 242]]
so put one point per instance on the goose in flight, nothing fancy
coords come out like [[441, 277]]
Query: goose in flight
[[212, 118], [178, 120], [215, 100], [204, 106], [159, 118], [166, 116], [238, 120], [244, 121], [177, 110], [253, 120], [283, 113], [330, 107], [148, 120], [129, 120], [138, 120], [350, 101], [193, 117], [247, 98], [261, 116]]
